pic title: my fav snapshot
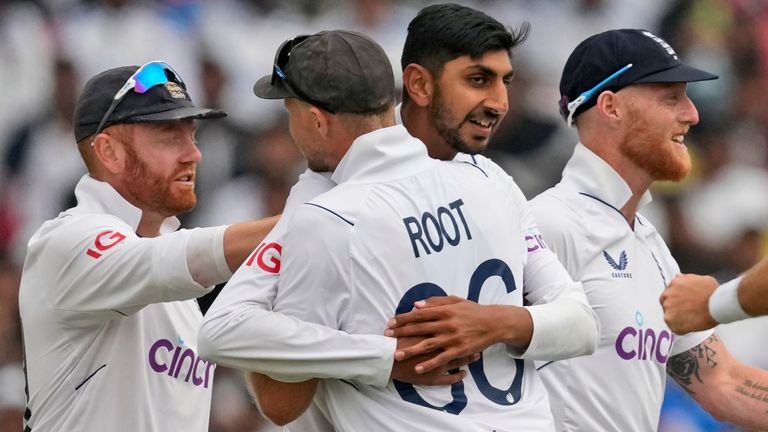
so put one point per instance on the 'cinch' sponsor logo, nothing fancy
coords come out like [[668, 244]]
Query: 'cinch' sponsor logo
[[180, 362], [638, 343]]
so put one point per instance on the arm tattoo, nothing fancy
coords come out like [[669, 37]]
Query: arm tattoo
[[685, 366], [754, 390]]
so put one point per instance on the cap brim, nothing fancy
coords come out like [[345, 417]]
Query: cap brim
[[679, 73], [265, 90], [178, 114]]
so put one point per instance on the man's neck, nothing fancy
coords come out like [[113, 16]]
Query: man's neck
[[419, 124], [149, 225], [637, 179]]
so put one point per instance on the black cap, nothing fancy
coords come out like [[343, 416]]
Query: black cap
[[596, 58], [344, 71], [166, 102]]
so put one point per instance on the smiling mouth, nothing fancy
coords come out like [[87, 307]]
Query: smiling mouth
[[483, 123], [679, 138]]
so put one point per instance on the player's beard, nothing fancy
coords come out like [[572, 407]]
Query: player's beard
[[153, 191], [650, 149], [442, 116]]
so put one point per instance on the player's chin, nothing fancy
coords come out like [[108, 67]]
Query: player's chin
[[475, 144], [182, 202]]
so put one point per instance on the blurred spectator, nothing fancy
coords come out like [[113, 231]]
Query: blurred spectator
[[274, 165], [43, 162], [222, 143], [111, 33], [532, 147], [12, 401], [26, 62]]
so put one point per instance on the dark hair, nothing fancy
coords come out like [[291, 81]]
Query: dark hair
[[443, 32]]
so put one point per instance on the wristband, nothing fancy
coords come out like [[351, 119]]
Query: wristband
[[724, 303]]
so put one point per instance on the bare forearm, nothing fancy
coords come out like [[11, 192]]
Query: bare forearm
[[281, 402], [727, 389], [753, 290], [242, 238]]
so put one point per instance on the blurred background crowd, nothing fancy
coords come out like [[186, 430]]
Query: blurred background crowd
[[715, 222]]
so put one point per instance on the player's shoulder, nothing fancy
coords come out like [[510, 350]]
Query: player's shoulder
[[493, 172], [337, 206], [490, 168], [557, 213], [70, 227]]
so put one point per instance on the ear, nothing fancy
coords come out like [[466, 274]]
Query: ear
[[419, 84], [610, 106], [109, 152], [321, 120]]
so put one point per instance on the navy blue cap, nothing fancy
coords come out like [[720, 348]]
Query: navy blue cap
[[653, 60]]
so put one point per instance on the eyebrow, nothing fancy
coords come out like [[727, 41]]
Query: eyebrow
[[488, 71]]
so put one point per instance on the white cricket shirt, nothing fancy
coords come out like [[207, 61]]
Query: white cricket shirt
[[109, 333], [624, 271], [240, 330], [401, 227]]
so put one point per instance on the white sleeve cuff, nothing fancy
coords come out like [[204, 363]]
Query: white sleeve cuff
[[561, 329], [205, 256], [724, 303]]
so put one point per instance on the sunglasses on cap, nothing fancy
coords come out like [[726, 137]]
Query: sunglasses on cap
[[282, 58], [151, 74], [572, 106]]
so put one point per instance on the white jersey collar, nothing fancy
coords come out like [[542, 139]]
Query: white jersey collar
[[384, 154], [94, 196], [589, 174]]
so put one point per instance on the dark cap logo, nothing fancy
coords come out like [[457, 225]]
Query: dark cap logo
[[661, 42]]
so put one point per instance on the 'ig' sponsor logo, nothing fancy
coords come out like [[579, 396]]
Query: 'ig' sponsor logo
[[267, 257], [638, 343]]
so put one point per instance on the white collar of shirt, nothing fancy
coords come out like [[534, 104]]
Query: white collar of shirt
[[384, 154], [589, 174], [94, 196]]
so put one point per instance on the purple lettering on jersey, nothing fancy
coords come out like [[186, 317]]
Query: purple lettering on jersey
[[646, 344], [187, 354], [196, 368], [196, 380], [173, 362], [626, 355], [534, 242], [153, 363]]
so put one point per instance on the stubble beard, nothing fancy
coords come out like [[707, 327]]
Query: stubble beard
[[650, 151], [152, 191], [441, 116]]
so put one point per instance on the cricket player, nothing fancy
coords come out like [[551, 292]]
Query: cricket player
[[401, 227], [107, 291], [625, 92], [439, 35], [693, 302]]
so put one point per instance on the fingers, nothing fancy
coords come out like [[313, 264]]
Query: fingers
[[415, 316], [422, 329], [462, 361], [437, 301], [438, 361], [423, 347], [425, 310]]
